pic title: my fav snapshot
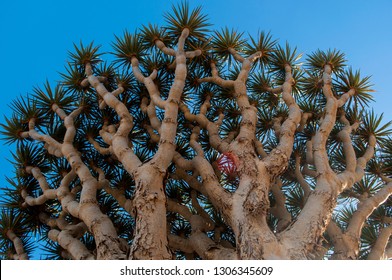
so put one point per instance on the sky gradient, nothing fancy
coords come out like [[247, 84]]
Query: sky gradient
[[36, 36]]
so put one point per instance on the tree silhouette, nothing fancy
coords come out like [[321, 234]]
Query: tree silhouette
[[189, 143]]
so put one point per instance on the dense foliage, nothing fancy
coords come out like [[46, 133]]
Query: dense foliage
[[38, 120]]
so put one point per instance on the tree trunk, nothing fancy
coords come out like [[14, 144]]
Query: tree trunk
[[150, 241]]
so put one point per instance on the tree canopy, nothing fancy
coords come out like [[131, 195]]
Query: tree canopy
[[186, 142]]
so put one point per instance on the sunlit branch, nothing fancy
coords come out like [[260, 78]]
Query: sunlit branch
[[74, 246], [149, 83], [51, 145], [168, 51], [281, 154], [116, 93], [345, 97], [379, 250], [365, 209], [212, 128], [120, 140], [327, 124], [216, 79]]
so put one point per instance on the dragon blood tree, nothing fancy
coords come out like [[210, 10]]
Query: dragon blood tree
[[189, 143]]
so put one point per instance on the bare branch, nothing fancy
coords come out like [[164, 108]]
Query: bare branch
[[73, 245], [169, 51], [365, 209], [212, 128], [379, 250], [218, 196], [280, 155], [216, 79], [173, 206], [18, 245], [345, 97], [52, 146], [236, 55], [298, 174], [279, 210], [120, 139], [179, 243], [208, 249], [328, 122]]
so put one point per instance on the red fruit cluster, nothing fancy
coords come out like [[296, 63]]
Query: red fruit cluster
[[228, 163]]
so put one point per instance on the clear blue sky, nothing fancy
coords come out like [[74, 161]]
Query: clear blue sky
[[36, 35]]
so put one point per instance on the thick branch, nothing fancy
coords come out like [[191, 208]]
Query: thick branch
[[236, 55], [166, 149], [179, 243], [53, 147], [212, 128], [73, 245], [365, 209], [248, 111], [218, 196], [301, 180], [216, 79], [101, 150], [18, 245], [277, 160], [320, 139], [98, 223], [345, 97], [120, 139], [378, 251], [345, 247], [173, 206], [168, 51], [149, 83], [208, 249], [279, 210]]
